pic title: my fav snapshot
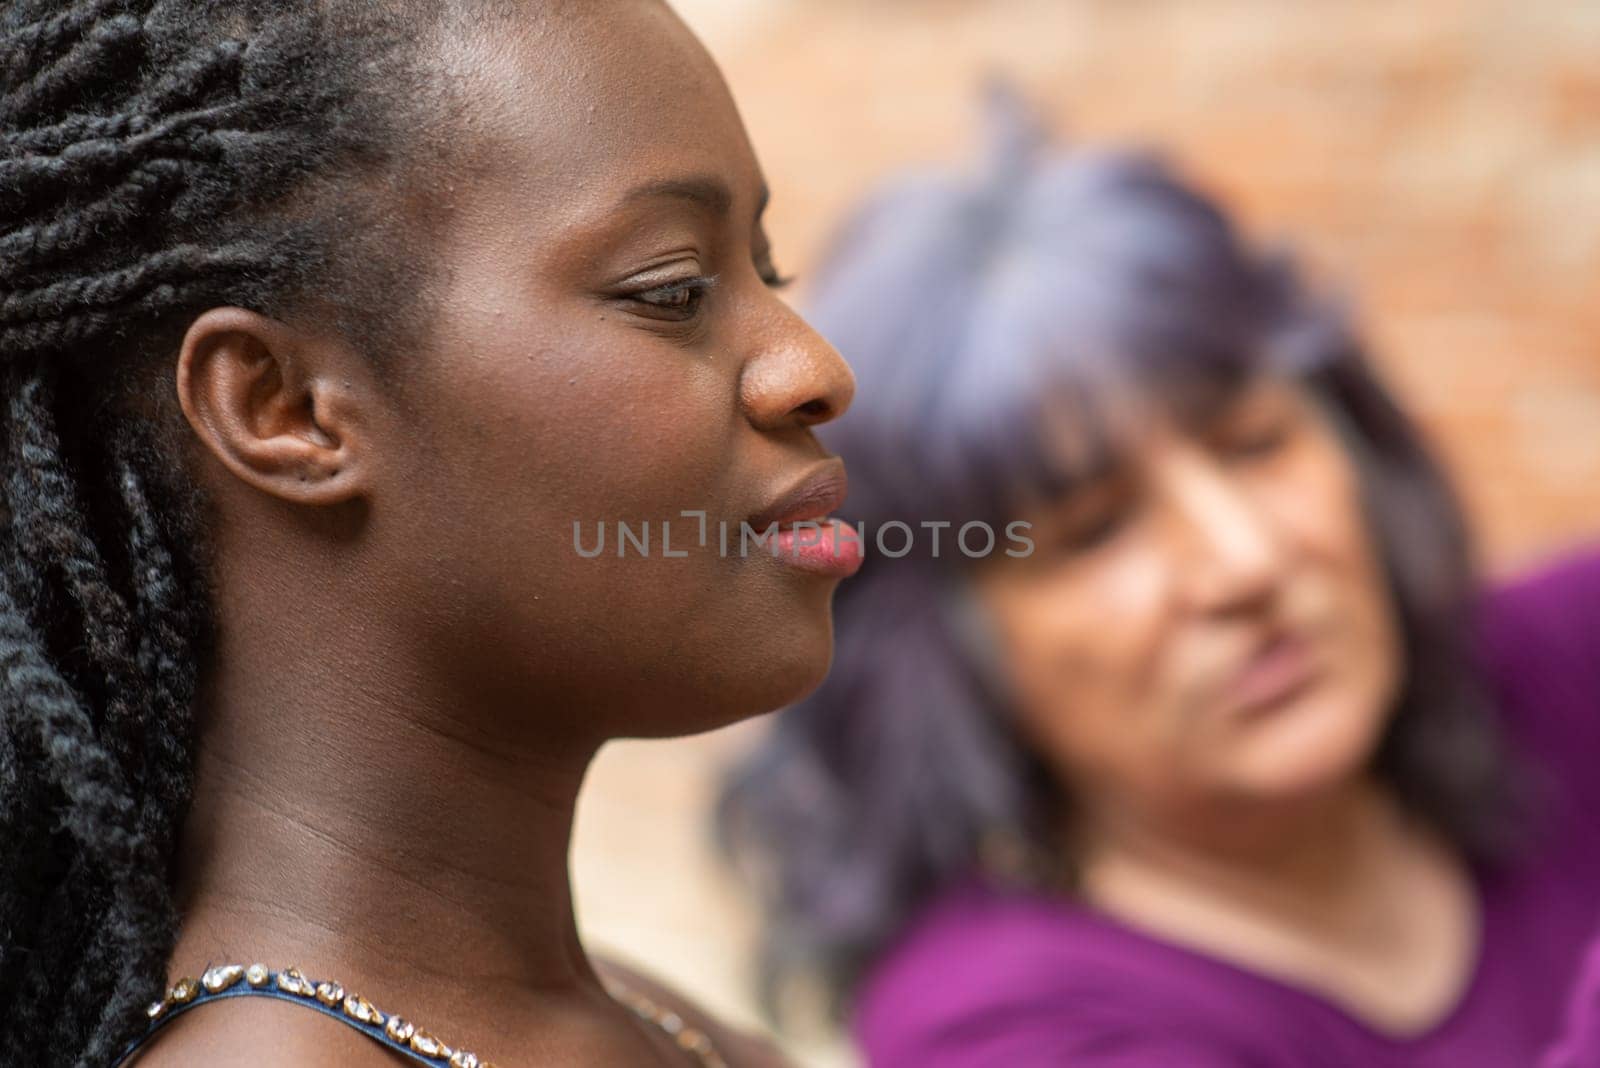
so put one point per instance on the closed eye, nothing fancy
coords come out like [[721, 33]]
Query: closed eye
[[1255, 442], [1096, 530]]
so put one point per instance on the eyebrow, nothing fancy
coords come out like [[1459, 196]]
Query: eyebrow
[[709, 193]]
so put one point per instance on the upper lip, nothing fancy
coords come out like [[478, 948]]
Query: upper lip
[[811, 497]]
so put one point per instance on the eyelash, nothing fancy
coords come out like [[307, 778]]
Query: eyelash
[[664, 298], [1259, 443], [1102, 529]]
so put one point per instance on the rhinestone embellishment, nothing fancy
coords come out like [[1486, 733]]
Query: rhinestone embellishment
[[427, 1045], [218, 979], [398, 1029], [359, 1008], [295, 983], [689, 1039]]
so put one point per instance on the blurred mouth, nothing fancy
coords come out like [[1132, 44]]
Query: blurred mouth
[[1281, 669], [805, 538]]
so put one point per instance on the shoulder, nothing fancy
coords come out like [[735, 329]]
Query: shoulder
[[737, 1048], [1579, 1044], [986, 976], [260, 1033], [1537, 639], [1547, 615], [999, 938]]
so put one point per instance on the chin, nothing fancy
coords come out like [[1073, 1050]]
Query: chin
[[748, 679], [789, 671], [784, 660], [1302, 751]]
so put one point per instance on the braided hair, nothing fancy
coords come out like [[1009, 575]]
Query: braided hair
[[157, 158]]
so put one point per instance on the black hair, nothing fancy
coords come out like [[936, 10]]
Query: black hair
[[157, 158]]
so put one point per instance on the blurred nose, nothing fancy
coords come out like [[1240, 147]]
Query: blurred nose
[[1232, 558], [795, 379]]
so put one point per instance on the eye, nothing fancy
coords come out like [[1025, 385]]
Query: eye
[[1093, 531], [678, 301], [1257, 426], [1095, 516], [1253, 442]]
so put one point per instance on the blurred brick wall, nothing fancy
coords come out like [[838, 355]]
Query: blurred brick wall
[[1440, 161]]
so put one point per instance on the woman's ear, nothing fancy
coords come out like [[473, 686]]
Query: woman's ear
[[273, 405]]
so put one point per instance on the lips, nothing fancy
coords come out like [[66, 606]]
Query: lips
[[806, 539], [812, 498], [1280, 667]]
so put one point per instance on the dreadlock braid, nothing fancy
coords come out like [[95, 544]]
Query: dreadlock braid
[[103, 48], [157, 157], [52, 524], [49, 33]]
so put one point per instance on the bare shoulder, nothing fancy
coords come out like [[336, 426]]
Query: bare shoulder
[[260, 1033], [740, 1049]]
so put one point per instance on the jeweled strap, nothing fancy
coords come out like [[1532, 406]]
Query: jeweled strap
[[330, 999]]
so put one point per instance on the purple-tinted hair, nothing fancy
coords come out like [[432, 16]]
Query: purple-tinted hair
[[976, 311]]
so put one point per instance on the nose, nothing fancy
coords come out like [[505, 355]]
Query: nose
[[1232, 558], [795, 378]]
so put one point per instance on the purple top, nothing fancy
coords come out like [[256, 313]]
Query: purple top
[[988, 977]]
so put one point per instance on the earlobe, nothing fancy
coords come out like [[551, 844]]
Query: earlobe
[[264, 400]]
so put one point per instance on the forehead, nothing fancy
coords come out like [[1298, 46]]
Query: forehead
[[1085, 435], [567, 106]]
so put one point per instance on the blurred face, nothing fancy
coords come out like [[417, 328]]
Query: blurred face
[[609, 350], [1205, 623]]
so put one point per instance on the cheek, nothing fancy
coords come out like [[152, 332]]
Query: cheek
[[1083, 652], [1336, 589], [541, 446], [547, 448], [561, 408], [599, 426], [1344, 591]]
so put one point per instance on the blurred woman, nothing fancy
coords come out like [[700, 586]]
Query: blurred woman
[[1238, 765]]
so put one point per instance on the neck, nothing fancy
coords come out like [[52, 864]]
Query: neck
[[1347, 897], [369, 831], [1314, 861]]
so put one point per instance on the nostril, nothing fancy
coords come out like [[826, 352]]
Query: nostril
[[816, 410]]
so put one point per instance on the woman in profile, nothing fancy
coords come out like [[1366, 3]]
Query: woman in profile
[[322, 324], [1241, 765]]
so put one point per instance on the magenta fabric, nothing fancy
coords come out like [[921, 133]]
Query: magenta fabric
[[1579, 1046], [990, 977]]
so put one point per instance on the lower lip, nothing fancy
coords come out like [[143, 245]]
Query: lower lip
[[1281, 672], [831, 547]]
